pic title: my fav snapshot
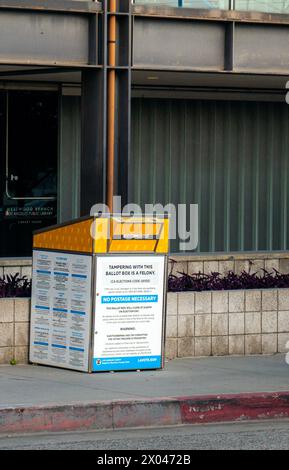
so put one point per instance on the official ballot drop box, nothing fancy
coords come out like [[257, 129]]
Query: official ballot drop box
[[99, 294]]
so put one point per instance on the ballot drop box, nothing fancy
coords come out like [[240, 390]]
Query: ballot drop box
[[99, 294]]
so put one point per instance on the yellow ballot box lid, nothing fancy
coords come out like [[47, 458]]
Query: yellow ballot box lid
[[107, 234]]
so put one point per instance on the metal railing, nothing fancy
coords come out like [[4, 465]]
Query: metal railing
[[269, 6]]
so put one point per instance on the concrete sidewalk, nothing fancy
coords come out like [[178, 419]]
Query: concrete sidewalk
[[35, 398], [37, 385]]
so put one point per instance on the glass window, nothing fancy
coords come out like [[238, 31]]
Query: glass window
[[207, 4], [32, 145], [28, 163], [267, 6]]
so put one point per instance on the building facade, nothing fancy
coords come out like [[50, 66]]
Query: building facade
[[177, 101]]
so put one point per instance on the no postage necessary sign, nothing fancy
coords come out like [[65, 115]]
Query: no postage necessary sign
[[129, 308]]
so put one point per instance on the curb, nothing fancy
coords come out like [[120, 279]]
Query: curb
[[144, 413]]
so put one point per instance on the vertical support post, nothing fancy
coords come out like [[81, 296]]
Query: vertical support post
[[229, 46], [94, 118], [93, 140], [119, 99], [232, 5], [111, 112], [106, 103], [123, 102]]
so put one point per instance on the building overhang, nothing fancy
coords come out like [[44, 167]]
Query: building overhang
[[158, 84], [72, 6], [213, 41], [54, 40]]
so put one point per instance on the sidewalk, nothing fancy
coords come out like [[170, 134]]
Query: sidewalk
[[35, 398]]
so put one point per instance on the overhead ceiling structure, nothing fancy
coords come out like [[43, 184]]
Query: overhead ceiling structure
[[47, 41], [181, 52]]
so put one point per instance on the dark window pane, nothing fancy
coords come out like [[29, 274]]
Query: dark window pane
[[28, 168], [32, 145]]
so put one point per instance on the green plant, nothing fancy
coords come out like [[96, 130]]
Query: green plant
[[15, 286], [231, 281]]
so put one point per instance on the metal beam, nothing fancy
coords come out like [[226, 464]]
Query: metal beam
[[160, 11], [217, 46], [39, 71], [34, 37], [193, 44], [52, 5], [261, 48]]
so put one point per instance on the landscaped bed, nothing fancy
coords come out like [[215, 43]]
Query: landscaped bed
[[15, 286], [20, 286], [216, 282]]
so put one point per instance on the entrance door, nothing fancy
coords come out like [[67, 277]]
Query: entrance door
[[28, 159]]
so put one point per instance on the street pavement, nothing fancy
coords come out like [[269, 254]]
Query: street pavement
[[271, 435]]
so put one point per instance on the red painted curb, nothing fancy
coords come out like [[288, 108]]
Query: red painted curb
[[144, 413], [247, 406]]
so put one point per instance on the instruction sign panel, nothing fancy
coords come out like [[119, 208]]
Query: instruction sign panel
[[128, 317], [61, 310]]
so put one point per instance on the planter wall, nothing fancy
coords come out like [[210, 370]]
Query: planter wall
[[198, 324], [227, 323], [14, 330]]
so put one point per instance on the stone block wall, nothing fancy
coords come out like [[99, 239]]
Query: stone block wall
[[14, 330], [199, 324], [227, 323]]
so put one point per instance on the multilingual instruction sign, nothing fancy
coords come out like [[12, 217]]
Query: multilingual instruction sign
[[61, 310], [129, 310]]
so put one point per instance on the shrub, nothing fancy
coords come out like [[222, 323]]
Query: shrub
[[15, 286], [215, 281]]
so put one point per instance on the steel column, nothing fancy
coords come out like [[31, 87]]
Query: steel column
[[93, 140], [119, 98], [93, 117], [106, 99], [123, 98]]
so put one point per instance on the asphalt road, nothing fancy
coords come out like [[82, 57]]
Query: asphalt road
[[248, 436]]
